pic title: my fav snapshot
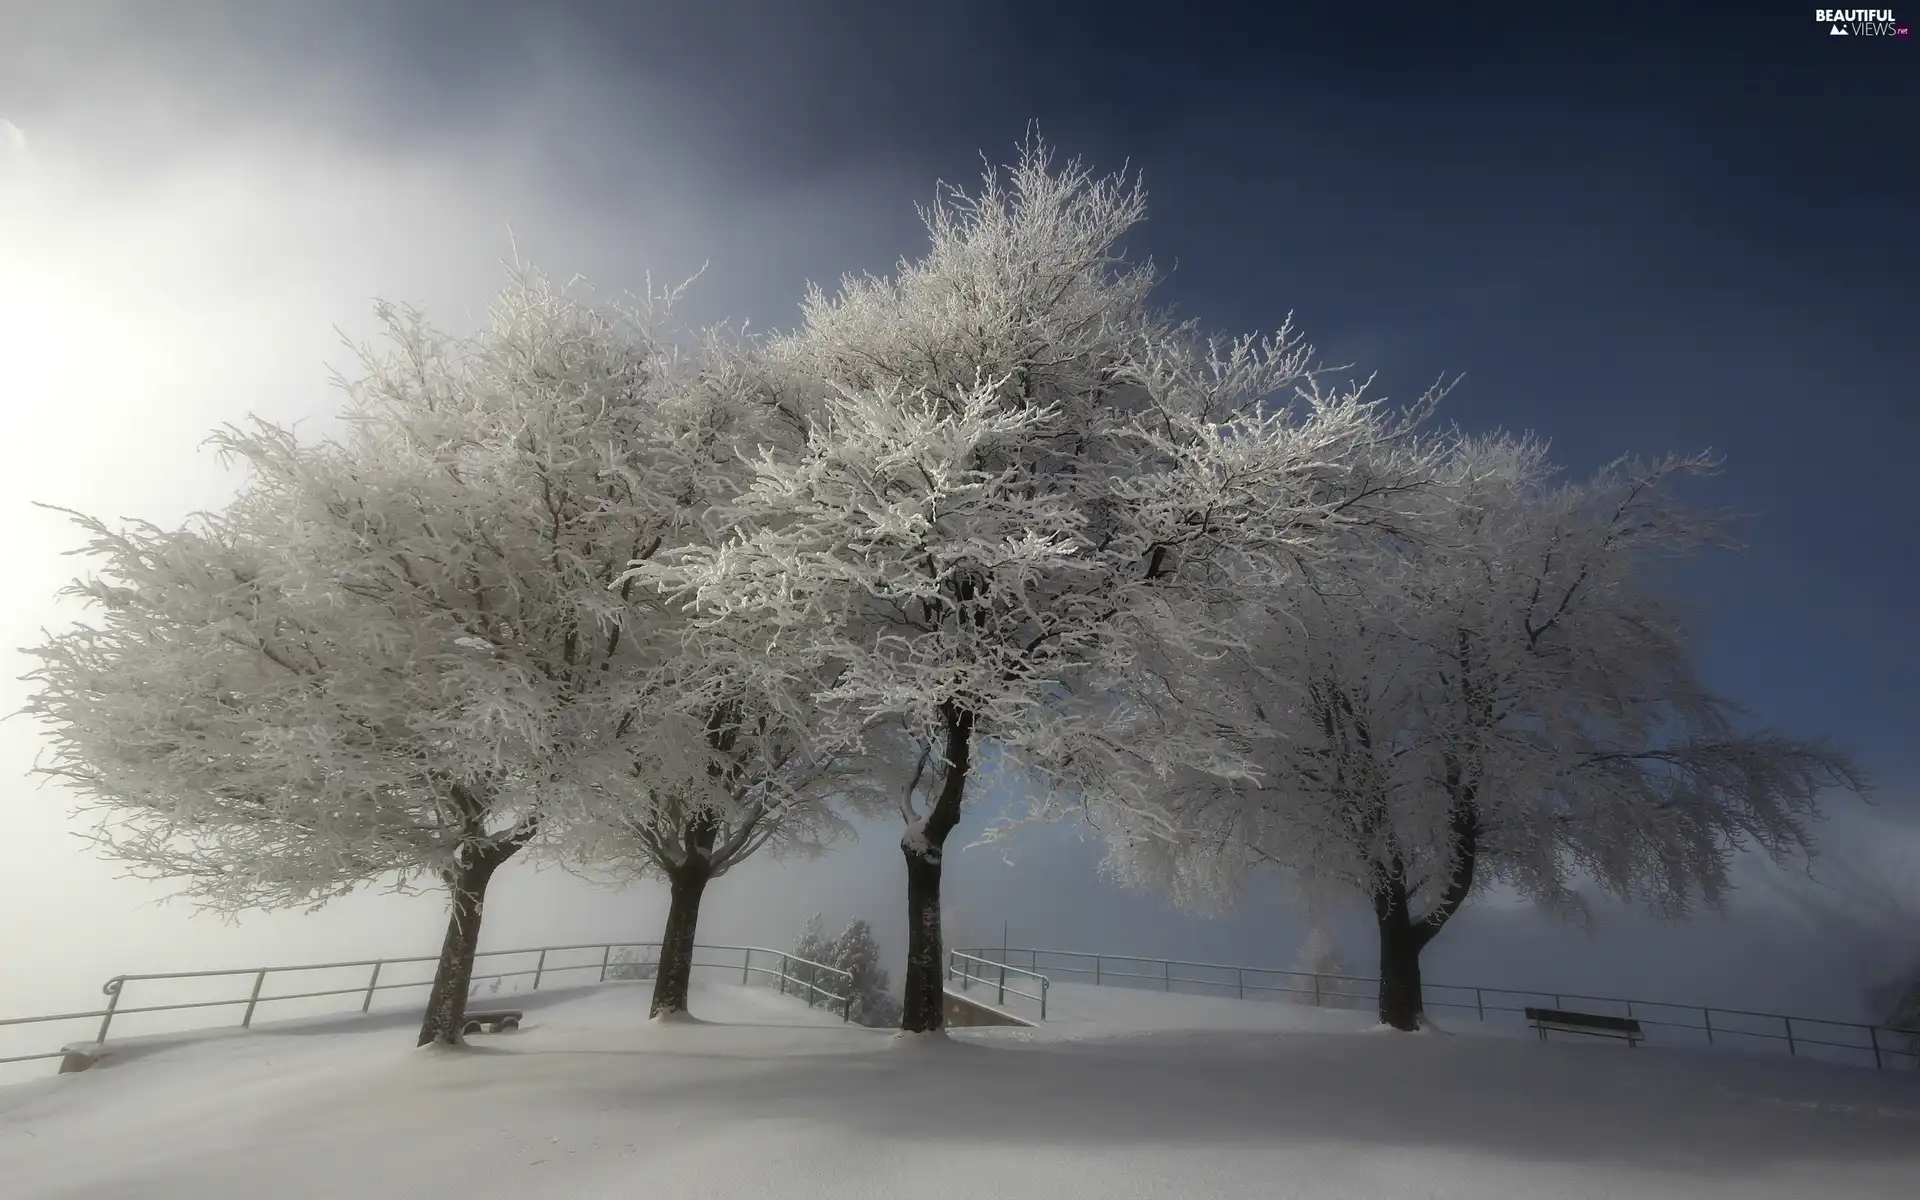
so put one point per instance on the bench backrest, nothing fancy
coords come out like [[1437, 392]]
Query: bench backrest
[[1554, 1016]]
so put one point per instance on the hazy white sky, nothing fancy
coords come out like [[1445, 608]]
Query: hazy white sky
[[166, 265], [171, 259]]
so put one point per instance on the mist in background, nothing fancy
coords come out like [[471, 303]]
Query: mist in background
[[198, 202]]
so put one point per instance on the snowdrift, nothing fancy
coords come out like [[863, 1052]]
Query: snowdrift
[[1127, 1094]]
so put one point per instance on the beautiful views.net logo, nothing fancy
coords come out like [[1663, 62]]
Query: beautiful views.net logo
[[1861, 22]]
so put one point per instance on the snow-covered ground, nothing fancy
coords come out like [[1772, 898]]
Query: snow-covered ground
[[1125, 1094]]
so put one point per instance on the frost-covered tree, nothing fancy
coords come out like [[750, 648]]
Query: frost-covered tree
[[1016, 481], [854, 951], [720, 758], [396, 652], [712, 783], [812, 953], [814, 944], [1503, 694], [246, 735], [857, 953]]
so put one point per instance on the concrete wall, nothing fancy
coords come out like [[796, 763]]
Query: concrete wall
[[960, 1012]]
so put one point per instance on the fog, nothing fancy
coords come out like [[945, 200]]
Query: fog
[[172, 258], [169, 263]]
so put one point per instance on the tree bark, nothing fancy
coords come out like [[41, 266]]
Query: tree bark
[[453, 977], [1401, 1005], [1403, 937], [923, 1009], [674, 974]]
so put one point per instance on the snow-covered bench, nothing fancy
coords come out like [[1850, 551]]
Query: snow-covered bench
[[491, 1022], [1596, 1024]]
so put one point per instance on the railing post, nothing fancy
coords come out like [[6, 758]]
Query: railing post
[[958, 962], [259, 977], [112, 989], [1557, 1004]]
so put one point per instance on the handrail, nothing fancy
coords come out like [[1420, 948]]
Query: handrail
[[954, 967], [114, 987], [1881, 1048]]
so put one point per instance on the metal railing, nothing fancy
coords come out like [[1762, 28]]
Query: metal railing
[[970, 968], [1884, 1045], [782, 974]]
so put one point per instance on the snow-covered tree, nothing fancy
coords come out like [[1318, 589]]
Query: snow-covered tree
[[396, 653], [854, 951], [812, 952], [719, 776], [814, 944], [1016, 481], [857, 953], [721, 758], [1507, 696], [246, 735]]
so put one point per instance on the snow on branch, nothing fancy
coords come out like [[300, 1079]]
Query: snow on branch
[[399, 651], [1494, 690], [1020, 486]]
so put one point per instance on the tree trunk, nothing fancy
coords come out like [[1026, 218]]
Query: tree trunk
[[447, 1002], [1401, 1005], [674, 974], [923, 1008], [1403, 937]]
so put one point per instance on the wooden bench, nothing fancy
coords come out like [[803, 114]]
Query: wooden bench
[[1544, 1019], [491, 1022]]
